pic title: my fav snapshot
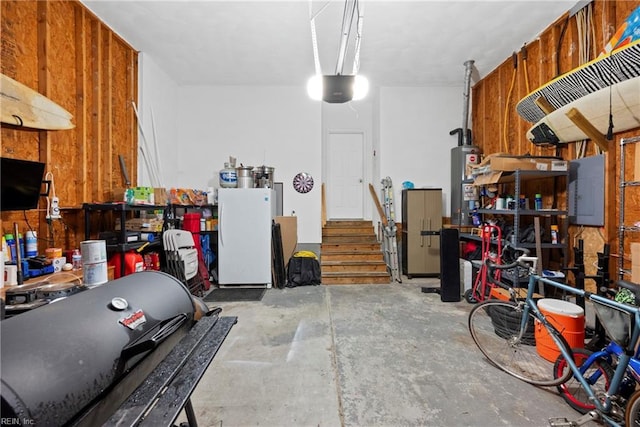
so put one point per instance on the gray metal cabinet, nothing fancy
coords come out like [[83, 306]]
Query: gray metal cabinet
[[421, 224]]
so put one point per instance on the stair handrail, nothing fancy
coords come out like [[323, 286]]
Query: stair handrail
[[383, 217], [323, 213]]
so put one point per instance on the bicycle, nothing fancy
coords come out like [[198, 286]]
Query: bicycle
[[509, 333], [597, 369]]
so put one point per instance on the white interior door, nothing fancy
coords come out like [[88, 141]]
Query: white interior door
[[345, 181]]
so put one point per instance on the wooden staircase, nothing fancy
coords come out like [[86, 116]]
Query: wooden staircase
[[350, 254]]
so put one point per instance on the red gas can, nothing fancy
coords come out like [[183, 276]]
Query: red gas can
[[133, 263]]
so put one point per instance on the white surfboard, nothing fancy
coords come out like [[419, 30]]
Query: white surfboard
[[24, 107], [624, 98]]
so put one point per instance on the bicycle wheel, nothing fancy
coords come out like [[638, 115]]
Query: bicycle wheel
[[632, 412], [495, 328], [598, 375]]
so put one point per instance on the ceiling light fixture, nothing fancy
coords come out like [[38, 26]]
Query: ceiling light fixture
[[339, 88]]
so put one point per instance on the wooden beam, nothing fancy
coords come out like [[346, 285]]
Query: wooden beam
[[545, 105], [82, 73], [132, 80], [107, 154], [585, 126], [44, 147], [95, 169]]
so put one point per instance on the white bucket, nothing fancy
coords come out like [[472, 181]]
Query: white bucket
[[94, 262], [94, 274], [93, 251]]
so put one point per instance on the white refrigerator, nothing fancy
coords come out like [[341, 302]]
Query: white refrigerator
[[244, 235]]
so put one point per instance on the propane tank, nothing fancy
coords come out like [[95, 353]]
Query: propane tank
[[228, 177]]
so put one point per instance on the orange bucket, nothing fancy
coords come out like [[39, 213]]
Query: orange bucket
[[568, 318]]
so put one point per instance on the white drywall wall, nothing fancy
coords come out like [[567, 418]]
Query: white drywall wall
[[157, 111], [272, 126], [199, 127], [415, 144]]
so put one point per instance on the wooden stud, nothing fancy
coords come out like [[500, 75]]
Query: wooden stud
[[585, 126], [97, 118], [81, 101]]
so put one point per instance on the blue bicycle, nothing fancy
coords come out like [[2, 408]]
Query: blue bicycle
[[511, 333], [597, 369]]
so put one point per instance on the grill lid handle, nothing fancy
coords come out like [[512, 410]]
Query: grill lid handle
[[153, 337]]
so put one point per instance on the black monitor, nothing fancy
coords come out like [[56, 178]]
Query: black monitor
[[20, 184]]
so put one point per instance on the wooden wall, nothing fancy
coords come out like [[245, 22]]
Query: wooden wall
[[64, 52], [555, 52]]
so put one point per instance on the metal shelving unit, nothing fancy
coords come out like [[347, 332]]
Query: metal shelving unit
[[121, 210], [623, 228], [517, 178]]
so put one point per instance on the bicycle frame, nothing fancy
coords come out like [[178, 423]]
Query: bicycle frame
[[604, 406], [608, 352]]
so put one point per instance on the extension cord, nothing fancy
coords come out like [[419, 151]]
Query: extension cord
[[54, 208]]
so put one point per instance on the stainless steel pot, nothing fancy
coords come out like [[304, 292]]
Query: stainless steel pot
[[263, 176], [245, 176]]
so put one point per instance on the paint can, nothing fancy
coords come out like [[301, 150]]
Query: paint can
[[10, 275], [94, 262]]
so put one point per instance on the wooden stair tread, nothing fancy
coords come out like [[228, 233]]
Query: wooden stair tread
[[347, 232], [352, 262], [350, 254], [366, 240], [355, 273], [347, 223], [349, 246]]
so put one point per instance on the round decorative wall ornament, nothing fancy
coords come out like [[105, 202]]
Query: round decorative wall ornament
[[303, 182]]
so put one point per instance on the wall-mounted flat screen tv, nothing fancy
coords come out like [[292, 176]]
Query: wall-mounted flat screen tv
[[20, 184]]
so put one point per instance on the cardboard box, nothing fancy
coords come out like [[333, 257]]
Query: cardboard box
[[552, 165], [160, 196], [487, 178], [150, 225], [289, 231], [188, 197], [509, 164], [139, 196], [505, 163]]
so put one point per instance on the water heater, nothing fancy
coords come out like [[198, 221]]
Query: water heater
[[463, 193]]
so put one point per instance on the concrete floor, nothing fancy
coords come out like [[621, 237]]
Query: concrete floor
[[361, 355]]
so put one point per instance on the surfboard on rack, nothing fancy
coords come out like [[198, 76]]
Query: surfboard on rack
[[622, 97], [609, 69], [22, 106]]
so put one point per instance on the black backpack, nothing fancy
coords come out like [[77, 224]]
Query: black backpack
[[303, 271]]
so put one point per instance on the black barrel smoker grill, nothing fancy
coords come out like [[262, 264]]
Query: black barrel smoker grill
[[75, 361]]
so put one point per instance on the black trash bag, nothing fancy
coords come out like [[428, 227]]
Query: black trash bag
[[303, 271]]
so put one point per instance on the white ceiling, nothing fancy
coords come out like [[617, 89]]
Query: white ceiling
[[404, 43]]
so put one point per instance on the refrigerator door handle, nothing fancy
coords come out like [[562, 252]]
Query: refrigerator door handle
[[220, 215]]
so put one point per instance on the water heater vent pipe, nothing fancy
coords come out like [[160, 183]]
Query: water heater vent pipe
[[465, 105]]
